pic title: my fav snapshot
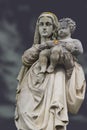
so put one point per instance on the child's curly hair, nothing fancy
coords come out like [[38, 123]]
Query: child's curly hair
[[71, 23]]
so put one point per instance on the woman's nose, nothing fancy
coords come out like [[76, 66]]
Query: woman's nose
[[44, 28]]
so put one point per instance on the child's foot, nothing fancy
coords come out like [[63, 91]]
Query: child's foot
[[43, 70], [50, 69]]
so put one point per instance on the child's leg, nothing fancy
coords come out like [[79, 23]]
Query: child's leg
[[53, 59], [43, 59], [69, 64]]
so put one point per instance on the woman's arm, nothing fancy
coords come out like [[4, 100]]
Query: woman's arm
[[30, 55]]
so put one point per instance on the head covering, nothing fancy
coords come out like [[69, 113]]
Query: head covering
[[55, 24]]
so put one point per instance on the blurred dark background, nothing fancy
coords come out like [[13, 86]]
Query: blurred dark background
[[17, 26]]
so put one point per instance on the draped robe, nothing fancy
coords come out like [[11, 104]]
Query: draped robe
[[44, 100]]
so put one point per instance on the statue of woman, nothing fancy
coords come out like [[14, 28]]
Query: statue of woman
[[44, 99]]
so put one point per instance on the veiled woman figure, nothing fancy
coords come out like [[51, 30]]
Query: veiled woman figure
[[44, 99]]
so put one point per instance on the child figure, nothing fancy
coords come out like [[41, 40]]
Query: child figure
[[64, 46]]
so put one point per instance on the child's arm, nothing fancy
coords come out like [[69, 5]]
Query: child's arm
[[75, 47], [48, 44]]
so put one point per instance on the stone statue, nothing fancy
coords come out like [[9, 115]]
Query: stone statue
[[43, 98]]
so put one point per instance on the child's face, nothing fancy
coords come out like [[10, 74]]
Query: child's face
[[64, 30]]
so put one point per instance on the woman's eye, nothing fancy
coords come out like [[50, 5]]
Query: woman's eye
[[41, 24], [48, 24]]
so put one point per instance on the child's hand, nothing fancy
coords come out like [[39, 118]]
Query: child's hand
[[51, 43], [42, 46]]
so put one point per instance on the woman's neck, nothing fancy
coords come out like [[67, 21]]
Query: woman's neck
[[44, 39]]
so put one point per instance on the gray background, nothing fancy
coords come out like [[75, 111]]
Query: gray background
[[17, 25]]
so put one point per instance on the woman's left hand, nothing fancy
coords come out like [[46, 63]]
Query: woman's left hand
[[68, 59]]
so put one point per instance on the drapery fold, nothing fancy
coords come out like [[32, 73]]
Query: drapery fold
[[43, 100]]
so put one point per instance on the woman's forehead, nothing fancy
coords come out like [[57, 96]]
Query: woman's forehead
[[45, 19]]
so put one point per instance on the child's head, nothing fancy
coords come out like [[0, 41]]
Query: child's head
[[67, 27]]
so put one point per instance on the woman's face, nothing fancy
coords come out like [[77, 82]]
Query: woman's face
[[45, 27]]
